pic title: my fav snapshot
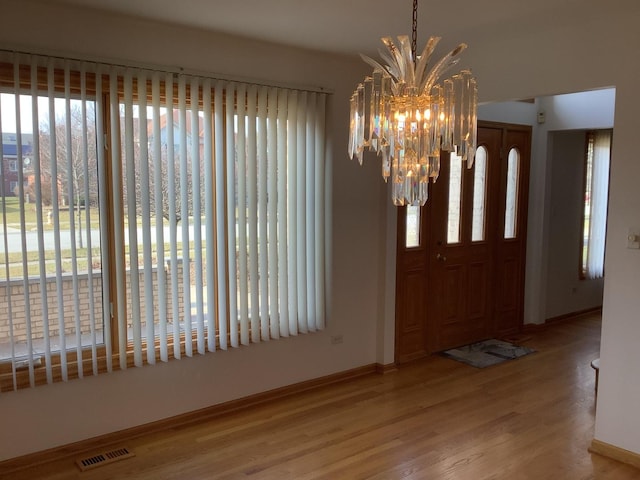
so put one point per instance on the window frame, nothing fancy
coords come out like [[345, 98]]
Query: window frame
[[22, 379], [108, 254], [108, 251]]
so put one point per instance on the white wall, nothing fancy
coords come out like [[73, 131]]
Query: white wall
[[592, 54], [44, 417], [582, 110], [548, 249], [565, 292], [521, 113]]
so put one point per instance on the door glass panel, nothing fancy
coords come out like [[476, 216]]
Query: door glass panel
[[513, 172], [453, 211], [479, 195], [412, 239]]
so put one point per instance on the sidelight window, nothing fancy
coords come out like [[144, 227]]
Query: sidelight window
[[596, 193], [479, 195], [454, 210]]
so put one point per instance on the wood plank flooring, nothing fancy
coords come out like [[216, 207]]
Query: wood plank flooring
[[530, 418]]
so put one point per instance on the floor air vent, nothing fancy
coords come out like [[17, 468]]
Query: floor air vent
[[104, 458]]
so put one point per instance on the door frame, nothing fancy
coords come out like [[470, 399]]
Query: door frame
[[412, 329]]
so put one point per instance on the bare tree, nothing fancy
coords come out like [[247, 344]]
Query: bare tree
[[166, 164], [75, 161]]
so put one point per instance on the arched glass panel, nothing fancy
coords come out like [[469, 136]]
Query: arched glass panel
[[511, 203], [479, 195], [455, 195]]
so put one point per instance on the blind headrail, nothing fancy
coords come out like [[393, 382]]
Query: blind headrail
[[164, 69]]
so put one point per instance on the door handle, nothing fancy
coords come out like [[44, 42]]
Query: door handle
[[441, 258]]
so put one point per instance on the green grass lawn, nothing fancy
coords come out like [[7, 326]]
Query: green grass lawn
[[10, 212], [15, 260]]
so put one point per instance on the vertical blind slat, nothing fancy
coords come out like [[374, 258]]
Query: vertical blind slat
[[72, 203], [262, 159], [197, 214], [241, 166], [56, 218], [23, 237], [132, 219], [231, 215], [157, 163], [103, 218], [320, 211], [209, 214], [301, 205], [5, 244], [281, 220], [220, 179], [184, 213], [273, 200], [310, 239], [173, 214], [252, 198], [87, 219], [42, 266], [118, 220], [145, 186], [14, 378], [104, 206], [292, 214]]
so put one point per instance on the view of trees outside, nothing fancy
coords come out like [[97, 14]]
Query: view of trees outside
[[59, 205], [179, 210], [63, 155], [73, 143], [182, 174], [51, 227]]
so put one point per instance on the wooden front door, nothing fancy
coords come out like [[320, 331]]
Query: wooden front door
[[461, 257]]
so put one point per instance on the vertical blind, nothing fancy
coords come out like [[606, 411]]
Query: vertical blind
[[156, 215]]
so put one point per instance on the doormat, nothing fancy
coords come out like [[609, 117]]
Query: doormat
[[487, 353]]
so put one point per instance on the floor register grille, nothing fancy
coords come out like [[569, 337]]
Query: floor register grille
[[104, 458]]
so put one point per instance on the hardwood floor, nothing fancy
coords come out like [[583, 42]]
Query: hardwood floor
[[531, 418]]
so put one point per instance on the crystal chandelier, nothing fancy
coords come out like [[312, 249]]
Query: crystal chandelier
[[403, 114]]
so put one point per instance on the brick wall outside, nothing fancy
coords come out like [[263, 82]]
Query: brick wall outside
[[69, 294]]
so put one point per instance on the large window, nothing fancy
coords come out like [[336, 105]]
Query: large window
[[596, 195], [158, 215]]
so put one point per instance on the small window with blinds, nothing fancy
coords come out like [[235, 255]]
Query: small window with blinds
[[156, 216]]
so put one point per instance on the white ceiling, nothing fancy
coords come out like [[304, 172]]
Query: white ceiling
[[352, 26]]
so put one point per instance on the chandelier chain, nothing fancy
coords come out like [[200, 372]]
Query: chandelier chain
[[414, 31]]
